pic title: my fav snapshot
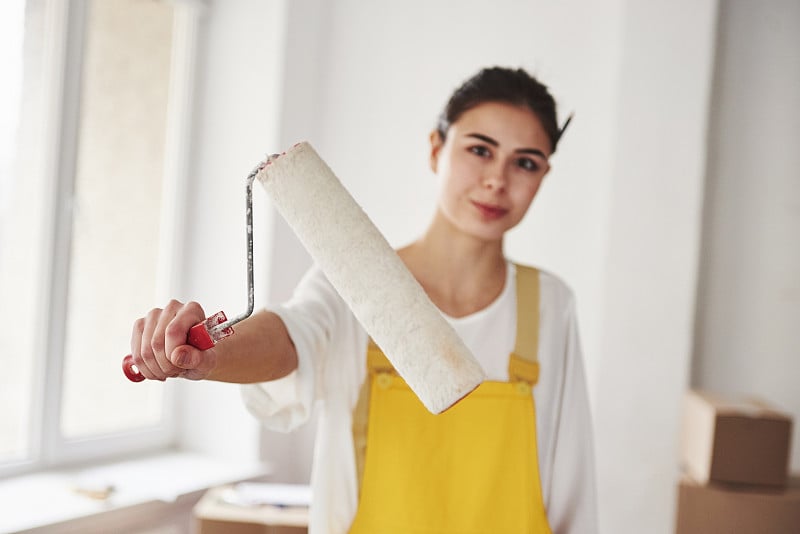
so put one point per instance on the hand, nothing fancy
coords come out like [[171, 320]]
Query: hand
[[159, 348]]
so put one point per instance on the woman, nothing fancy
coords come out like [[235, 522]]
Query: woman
[[515, 456]]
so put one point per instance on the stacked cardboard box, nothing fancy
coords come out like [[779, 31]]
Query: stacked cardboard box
[[735, 458]]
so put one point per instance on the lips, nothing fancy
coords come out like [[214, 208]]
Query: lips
[[489, 211]]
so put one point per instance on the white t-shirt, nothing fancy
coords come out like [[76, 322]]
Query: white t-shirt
[[331, 347]]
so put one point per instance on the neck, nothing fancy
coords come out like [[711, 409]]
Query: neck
[[460, 273]]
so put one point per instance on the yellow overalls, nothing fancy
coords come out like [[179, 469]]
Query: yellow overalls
[[472, 469]]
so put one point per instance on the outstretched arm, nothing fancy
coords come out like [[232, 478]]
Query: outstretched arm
[[259, 351]]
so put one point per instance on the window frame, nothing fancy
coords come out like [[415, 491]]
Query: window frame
[[64, 25]]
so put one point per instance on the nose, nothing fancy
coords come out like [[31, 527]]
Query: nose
[[494, 177]]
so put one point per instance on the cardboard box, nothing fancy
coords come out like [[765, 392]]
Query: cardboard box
[[213, 515], [720, 509], [734, 440]]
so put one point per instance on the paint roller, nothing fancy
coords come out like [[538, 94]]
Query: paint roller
[[368, 275], [371, 278]]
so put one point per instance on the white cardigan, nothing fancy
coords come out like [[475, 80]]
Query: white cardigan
[[331, 347]]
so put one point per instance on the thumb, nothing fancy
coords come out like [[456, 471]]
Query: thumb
[[186, 357], [196, 364]]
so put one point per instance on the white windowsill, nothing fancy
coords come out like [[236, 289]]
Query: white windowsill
[[50, 498]]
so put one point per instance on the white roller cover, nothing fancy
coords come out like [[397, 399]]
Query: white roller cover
[[371, 278]]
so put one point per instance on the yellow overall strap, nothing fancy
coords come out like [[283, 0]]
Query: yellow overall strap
[[470, 470], [524, 361], [376, 361]]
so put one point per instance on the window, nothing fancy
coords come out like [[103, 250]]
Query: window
[[17, 378], [91, 200]]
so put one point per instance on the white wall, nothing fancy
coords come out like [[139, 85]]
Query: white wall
[[749, 298], [619, 217], [235, 125], [653, 227]]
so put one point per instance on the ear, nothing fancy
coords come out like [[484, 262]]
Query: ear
[[436, 147]]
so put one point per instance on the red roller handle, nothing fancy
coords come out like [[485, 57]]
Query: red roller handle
[[130, 369], [199, 337]]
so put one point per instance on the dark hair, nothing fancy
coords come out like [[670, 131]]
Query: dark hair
[[500, 84]]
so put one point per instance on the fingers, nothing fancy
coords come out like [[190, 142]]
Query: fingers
[[140, 345], [177, 329], [157, 334], [191, 362], [158, 344], [136, 344], [151, 349]]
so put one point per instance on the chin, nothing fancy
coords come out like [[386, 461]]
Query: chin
[[483, 233]]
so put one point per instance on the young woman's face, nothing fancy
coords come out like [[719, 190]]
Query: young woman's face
[[491, 165]]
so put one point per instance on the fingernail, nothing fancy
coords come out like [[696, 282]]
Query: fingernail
[[181, 358]]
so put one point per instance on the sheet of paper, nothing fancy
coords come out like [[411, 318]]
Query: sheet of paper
[[258, 494]]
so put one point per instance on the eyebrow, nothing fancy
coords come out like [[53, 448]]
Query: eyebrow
[[489, 140]]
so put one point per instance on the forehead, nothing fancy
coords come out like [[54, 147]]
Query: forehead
[[511, 126]]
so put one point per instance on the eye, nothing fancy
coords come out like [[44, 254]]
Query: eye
[[528, 164], [480, 151]]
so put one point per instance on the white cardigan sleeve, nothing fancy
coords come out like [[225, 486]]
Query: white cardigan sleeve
[[572, 486], [313, 316]]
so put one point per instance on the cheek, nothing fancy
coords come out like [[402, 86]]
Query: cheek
[[455, 175], [526, 192], [535, 187], [462, 174]]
